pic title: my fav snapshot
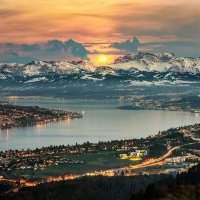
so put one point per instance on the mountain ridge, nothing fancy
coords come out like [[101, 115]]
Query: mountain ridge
[[140, 67]]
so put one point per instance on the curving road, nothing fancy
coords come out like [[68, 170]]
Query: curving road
[[152, 162], [110, 172]]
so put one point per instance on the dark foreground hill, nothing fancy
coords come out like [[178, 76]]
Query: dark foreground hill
[[185, 186], [88, 188]]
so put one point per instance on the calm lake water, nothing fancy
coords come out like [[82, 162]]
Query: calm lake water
[[101, 122]]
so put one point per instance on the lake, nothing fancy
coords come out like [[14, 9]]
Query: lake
[[101, 121]]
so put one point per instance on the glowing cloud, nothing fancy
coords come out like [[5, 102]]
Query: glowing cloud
[[102, 20]]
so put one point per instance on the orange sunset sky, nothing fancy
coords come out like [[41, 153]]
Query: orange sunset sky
[[24, 21]]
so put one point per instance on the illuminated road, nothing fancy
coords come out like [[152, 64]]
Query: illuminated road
[[128, 170], [148, 163]]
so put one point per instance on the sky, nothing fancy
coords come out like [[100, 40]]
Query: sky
[[157, 23]]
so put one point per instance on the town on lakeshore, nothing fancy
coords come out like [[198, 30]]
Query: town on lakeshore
[[20, 116], [186, 103], [167, 152]]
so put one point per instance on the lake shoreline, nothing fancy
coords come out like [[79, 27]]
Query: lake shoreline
[[101, 121], [15, 116]]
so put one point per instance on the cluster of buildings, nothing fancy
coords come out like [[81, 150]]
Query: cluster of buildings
[[183, 159], [136, 155], [19, 116], [11, 161], [162, 103]]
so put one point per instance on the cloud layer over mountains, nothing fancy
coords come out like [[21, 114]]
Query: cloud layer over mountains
[[57, 50], [51, 50], [129, 45]]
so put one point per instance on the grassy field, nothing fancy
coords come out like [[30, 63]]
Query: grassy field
[[92, 162]]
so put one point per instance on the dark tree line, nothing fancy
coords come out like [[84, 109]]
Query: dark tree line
[[185, 186]]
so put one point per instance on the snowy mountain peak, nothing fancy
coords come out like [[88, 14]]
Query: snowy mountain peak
[[161, 62], [136, 67]]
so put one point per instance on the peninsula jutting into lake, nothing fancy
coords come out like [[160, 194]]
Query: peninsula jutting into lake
[[12, 116]]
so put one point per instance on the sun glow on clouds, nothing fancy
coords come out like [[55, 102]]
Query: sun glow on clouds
[[102, 59]]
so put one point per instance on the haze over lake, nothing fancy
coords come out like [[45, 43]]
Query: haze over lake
[[101, 121]]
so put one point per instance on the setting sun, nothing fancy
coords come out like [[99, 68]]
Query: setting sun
[[102, 59]]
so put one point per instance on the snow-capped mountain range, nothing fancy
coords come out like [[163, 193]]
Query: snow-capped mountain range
[[140, 67]]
